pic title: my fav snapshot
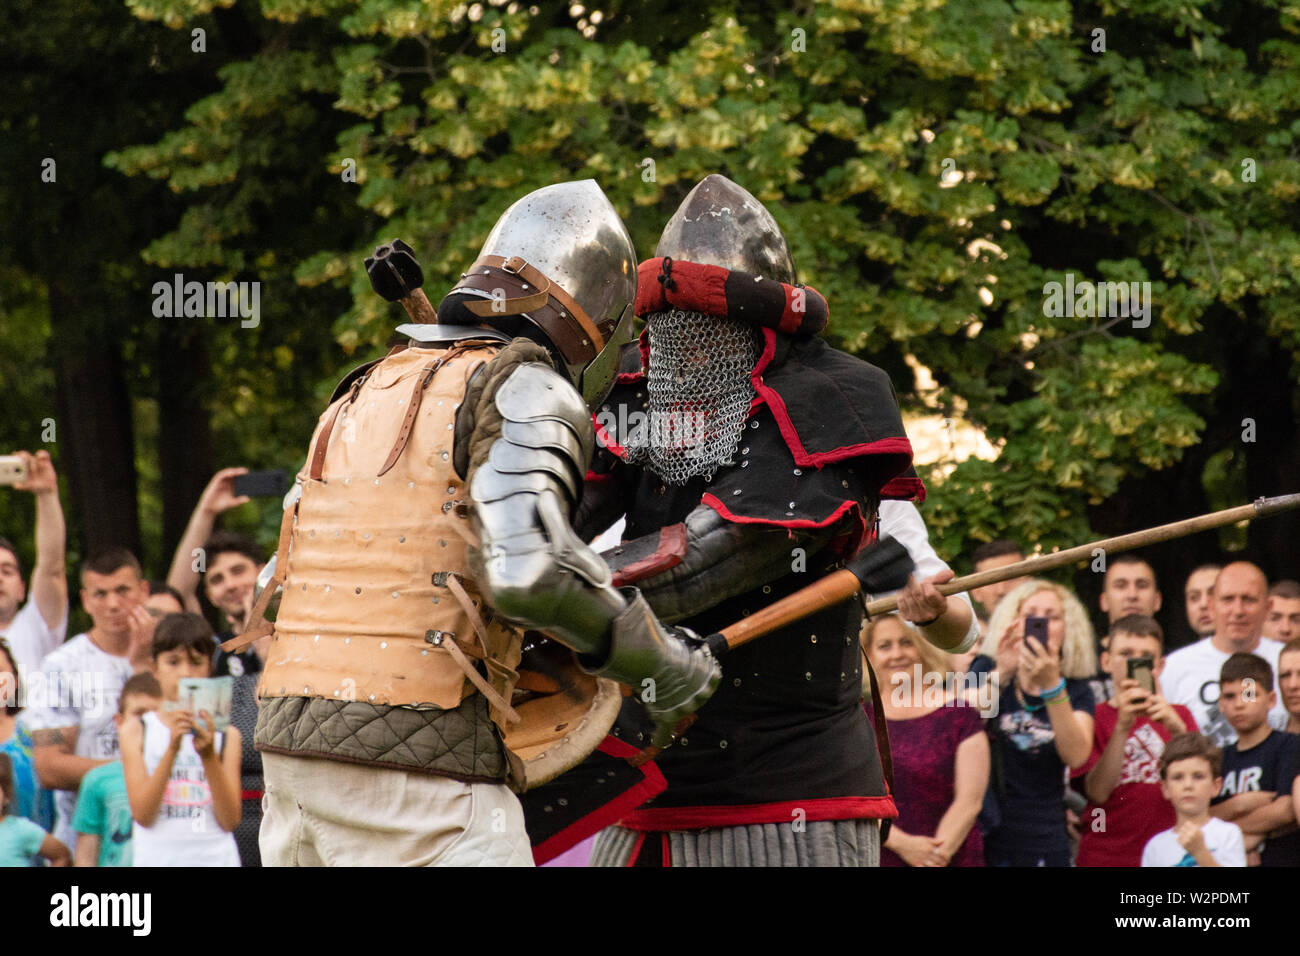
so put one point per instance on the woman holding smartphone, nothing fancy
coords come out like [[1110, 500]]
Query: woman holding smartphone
[[1044, 720]]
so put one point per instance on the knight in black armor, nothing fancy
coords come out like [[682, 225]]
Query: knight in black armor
[[749, 459]]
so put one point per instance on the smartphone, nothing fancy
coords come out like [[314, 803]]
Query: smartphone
[[1142, 670], [262, 484], [1036, 627], [212, 694], [13, 470]]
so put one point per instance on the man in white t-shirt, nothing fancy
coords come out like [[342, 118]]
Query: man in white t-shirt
[[1191, 675], [72, 724], [34, 629]]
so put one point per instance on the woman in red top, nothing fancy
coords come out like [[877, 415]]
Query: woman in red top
[[940, 750]]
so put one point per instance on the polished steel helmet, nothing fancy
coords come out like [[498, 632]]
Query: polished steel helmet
[[720, 224], [561, 260]]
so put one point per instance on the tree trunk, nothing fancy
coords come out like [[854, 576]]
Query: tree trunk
[[185, 452], [94, 430]]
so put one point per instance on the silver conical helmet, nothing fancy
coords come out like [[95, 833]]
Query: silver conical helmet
[[571, 234], [720, 224]]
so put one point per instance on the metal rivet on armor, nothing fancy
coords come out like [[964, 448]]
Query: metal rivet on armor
[[435, 600], [735, 682], [524, 285], [722, 744], [844, 484], [281, 690], [440, 401], [358, 590], [442, 544], [683, 741], [562, 802], [798, 471], [394, 594], [807, 675], [306, 689], [754, 424], [336, 534], [789, 514], [444, 456], [812, 638], [347, 640], [790, 505], [424, 653], [410, 484], [327, 589], [376, 481], [451, 489], [548, 809], [336, 693], [347, 481], [736, 492], [304, 587], [400, 400], [767, 589], [383, 645], [841, 675], [366, 536], [372, 696], [450, 425], [402, 539], [318, 637], [447, 506], [744, 464]]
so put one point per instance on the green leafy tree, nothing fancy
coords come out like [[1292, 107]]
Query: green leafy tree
[[935, 167]]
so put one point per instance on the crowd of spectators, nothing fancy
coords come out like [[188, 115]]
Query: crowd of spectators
[[1046, 747], [1106, 750]]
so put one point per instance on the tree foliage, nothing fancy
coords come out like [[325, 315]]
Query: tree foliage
[[934, 165]]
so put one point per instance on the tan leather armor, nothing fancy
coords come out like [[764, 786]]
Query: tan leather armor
[[376, 550]]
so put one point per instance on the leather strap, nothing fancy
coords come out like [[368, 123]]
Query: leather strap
[[257, 625], [882, 736], [408, 420], [417, 396], [518, 266], [323, 439]]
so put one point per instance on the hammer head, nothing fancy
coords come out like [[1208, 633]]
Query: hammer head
[[883, 566], [394, 272]]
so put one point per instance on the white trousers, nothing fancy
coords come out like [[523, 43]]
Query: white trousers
[[326, 813]]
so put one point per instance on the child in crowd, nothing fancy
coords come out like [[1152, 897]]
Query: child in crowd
[[1121, 778], [1259, 770], [182, 778], [21, 840], [1189, 777], [103, 817]]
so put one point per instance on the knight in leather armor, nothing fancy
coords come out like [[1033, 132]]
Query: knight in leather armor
[[428, 530], [749, 459]]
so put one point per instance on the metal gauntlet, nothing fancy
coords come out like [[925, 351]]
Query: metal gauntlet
[[669, 668]]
